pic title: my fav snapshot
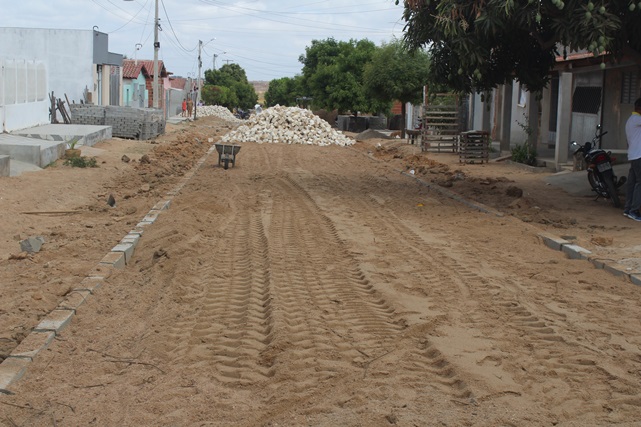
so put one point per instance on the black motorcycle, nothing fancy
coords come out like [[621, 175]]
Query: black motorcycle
[[599, 166], [241, 114]]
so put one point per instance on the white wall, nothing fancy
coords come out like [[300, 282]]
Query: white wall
[[66, 58], [520, 101]]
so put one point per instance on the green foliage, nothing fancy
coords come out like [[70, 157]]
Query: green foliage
[[72, 143], [81, 162], [394, 73], [219, 95], [333, 74], [524, 153], [229, 87], [476, 45], [284, 91]]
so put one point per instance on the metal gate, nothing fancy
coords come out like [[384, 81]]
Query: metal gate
[[114, 85], [587, 96], [138, 99]]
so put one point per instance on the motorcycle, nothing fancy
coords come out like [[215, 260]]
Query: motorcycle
[[241, 114], [599, 166]]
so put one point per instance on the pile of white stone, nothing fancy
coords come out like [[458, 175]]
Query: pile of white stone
[[287, 125], [218, 111]]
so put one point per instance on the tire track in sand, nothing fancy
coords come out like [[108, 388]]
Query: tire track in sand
[[492, 304]]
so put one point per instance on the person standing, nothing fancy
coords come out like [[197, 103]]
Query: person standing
[[184, 107], [633, 188], [190, 107]]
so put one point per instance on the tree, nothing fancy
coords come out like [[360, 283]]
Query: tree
[[284, 91], [394, 73], [480, 44], [333, 74], [219, 95], [233, 78]]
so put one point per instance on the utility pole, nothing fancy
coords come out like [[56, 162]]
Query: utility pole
[[156, 49], [228, 61], [200, 66]]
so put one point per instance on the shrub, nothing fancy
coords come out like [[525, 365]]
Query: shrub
[[81, 162], [524, 154]]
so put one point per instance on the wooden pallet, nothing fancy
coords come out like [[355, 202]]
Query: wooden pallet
[[474, 147], [441, 127]]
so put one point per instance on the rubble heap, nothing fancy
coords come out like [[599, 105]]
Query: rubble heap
[[287, 125], [218, 111]]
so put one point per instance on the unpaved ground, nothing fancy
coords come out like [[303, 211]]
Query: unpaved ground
[[317, 286]]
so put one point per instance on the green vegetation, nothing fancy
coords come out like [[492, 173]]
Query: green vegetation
[[229, 87], [396, 74], [333, 75], [524, 153], [284, 91], [81, 162], [476, 45]]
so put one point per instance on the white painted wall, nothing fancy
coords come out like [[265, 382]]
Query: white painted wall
[[520, 102], [67, 59]]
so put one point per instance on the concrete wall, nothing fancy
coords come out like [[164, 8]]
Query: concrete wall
[[64, 56], [520, 104]]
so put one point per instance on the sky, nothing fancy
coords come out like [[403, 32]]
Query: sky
[[264, 37]]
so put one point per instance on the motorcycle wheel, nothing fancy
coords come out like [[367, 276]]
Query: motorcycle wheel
[[596, 185], [608, 181]]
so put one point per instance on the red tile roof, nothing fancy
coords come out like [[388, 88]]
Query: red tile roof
[[149, 65], [131, 70]]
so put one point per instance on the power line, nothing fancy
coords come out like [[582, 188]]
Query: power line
[[172, 29]]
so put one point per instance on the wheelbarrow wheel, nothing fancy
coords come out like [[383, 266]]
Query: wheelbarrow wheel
[[226, 163]]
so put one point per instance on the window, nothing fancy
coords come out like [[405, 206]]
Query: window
[[630, 87], [586, 99]]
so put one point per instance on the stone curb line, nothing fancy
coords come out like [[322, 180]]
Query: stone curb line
[[577, 252], [16, 364], [572, 251]]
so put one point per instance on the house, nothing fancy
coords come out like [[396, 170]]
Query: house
[[35, 62], [149, 81], [581, 95], [134, 84]]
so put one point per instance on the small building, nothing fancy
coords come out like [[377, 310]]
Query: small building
[[581, 95], [149, 81], [71, 64], [134, 84]]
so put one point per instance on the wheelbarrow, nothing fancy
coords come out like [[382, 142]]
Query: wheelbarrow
[[227, 154]]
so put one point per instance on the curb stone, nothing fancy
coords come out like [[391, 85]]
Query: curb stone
[[575, 251], [15, 366], [551, 241]]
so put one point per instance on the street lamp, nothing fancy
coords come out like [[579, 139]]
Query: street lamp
[[216, 56], [156, 49]]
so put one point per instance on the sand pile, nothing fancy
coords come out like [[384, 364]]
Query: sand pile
[[287, 125]]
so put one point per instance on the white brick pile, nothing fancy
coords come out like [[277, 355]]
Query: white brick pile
[[218, 111], [287, 125]]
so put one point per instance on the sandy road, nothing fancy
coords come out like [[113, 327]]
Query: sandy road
[[315, 286]]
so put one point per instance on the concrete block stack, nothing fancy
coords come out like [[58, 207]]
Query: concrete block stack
[[126, 122], [87, 114]]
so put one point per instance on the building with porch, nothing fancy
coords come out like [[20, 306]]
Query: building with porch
[[581, 95]]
